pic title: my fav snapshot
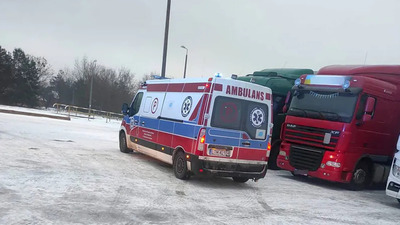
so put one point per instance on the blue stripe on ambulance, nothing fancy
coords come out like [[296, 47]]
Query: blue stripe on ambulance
[[213, 135]]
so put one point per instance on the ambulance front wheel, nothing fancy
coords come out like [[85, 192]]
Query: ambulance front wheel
[[122, 143], [180, 167]]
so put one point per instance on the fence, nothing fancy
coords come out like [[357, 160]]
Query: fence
[[72, 110]]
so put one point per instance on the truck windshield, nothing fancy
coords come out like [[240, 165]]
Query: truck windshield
[[250, 117], [333, 106]]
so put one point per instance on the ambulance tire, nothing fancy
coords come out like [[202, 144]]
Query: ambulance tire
[[180, 167], [361, 176], [122, 143], [240, 179]]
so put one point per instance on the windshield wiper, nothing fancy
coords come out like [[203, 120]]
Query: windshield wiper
[[331, 116], [313, 114], [297, 112]]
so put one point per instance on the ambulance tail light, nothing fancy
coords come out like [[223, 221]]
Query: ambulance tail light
[[202, 140], [269, 147]]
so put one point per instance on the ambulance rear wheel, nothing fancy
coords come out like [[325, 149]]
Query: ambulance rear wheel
[[180, 167], [122, 143], [240, 179]]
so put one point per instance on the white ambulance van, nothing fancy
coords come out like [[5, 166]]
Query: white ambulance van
[[201, 126], [393, 183]]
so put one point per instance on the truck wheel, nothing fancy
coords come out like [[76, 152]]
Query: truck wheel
[[122, 143], [240, 179], [361, 177], [180, 167], [273, 156]]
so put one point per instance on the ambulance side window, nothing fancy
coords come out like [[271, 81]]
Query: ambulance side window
[[136, 104]]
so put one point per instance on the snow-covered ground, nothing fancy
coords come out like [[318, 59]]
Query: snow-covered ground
[[57, 171]]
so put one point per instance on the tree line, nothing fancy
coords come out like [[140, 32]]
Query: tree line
[[27, 80]]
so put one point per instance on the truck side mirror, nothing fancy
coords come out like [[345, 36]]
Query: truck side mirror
[[369, 106], [124, 109], [369, 109], [366, 117], [287, 100]]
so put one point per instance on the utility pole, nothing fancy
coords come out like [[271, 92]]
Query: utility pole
[[91, 87], [164, 62], [184, 70]]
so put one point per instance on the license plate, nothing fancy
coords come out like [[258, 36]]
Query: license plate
[[219, 152], [300, 172]]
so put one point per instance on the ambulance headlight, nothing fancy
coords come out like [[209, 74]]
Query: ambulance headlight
[[396, 169], [297, 82], [346, 84]]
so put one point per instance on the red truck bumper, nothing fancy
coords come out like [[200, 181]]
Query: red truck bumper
[[326, 173]]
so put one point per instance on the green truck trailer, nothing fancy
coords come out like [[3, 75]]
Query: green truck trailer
[[281, 82]]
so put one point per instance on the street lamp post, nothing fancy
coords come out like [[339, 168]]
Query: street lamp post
[[91, 87], [164, 61], [184, 70]]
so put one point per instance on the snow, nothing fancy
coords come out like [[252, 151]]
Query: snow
[[57, 171]]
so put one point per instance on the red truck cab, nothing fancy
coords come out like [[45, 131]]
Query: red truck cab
[[343, 124]]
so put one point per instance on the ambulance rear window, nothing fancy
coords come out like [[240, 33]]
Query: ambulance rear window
[[236, 114]]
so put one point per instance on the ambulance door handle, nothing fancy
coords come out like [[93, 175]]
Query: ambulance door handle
[[246, 143], [135, 122], [143, 123]]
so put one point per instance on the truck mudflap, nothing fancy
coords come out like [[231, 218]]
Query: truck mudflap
[[227, 167]]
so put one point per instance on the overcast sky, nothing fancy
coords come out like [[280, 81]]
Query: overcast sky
[[226, 36]]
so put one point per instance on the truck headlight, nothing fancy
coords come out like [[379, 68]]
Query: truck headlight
[[396, 169], [333, 164]]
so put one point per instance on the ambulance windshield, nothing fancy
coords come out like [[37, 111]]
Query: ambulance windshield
[[236, 114], [333, 106]]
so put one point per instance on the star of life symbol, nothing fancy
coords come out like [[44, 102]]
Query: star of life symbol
[[154, 105], [186, 106], [257, 117]]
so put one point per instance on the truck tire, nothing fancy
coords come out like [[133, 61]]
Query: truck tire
[[240, 179], [180, 167], [122, 143], [361, 177], [273, 156]]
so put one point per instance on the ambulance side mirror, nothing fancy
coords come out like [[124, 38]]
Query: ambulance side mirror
[[124, 109]]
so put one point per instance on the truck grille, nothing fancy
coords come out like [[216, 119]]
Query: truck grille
[[312, 136], [305, 158]]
